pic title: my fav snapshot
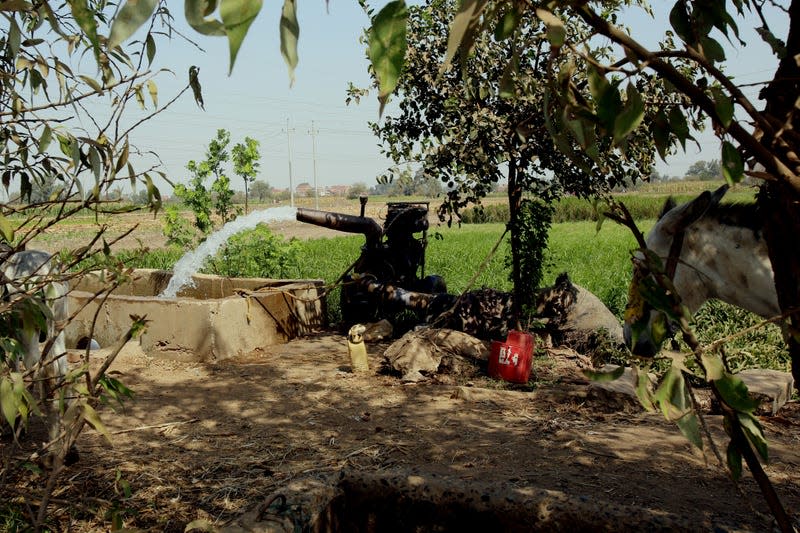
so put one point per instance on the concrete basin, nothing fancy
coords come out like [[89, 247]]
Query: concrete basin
[[218, 318]]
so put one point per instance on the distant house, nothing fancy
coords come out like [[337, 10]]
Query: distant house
[[304, 189], [338, 190]]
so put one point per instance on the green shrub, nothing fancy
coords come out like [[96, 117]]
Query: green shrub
[[177, 229], [256, 253], [162, 259]]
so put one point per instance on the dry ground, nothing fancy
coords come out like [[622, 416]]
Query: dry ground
[[209, 441]]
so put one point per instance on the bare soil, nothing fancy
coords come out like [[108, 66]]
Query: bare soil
[[210, 441]]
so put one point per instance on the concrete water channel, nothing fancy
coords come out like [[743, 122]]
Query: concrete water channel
[[216, 318]]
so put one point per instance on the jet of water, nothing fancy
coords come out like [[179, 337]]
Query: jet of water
[[193, 261]]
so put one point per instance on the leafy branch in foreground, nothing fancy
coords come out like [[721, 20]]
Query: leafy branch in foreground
[[674, 396]]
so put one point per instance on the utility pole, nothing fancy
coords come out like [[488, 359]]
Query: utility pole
[[313, 133], [289, 131]]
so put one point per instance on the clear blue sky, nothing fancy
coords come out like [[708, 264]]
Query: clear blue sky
[[256, 99]]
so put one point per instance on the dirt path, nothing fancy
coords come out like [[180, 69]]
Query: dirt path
[[208, 441]]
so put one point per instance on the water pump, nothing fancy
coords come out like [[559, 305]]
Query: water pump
[[388, 277]]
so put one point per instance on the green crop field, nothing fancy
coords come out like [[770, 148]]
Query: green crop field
[[596, 260]]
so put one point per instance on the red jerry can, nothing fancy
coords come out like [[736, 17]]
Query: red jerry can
[[511, 360]]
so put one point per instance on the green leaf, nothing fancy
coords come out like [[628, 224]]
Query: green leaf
[[689, 425], [675, 402], [237, 16], [91, 82], [712, 362], [754, 433], [129, 19], [194, 82], [387, 47], [91, 416], [85, 19], [734, 457], [723, 105], [153, 194], [602, 377], [196, 12], [732, 164], [777, 45], [507, 88], [14, 37], [152, 88], [123, 157], [96, 163], [44, 140], [672, 396], [507, 24], [643, 389], [25, 187], [6, 229], [608, 104], [290, 34], [8, 400], [678, 125], [734, 393], [556, 33], [631, 116], [660, 130], [712, 50], [680, 21], [460, 34], [151, 48]]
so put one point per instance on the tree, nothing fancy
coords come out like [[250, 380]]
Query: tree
[[261, 191], [245, 163], [704, 170], [64, 158], [472, 126], [43, 188], [196, 195], [689, 59], [356, 190], [219, 198]]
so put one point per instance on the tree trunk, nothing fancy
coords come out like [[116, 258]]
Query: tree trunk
[[514, 203], [779, 201]]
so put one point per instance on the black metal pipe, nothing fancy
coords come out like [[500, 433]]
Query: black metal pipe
[[342, 222]]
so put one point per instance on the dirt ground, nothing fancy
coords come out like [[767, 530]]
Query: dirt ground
[[210, 441]]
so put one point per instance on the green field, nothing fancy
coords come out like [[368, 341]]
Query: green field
[[596, 260]]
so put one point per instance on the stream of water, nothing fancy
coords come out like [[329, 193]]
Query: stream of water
[[193, 261]]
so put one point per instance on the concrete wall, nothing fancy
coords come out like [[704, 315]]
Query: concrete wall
[[218, 318]]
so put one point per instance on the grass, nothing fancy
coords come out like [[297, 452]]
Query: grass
[[598, 261]]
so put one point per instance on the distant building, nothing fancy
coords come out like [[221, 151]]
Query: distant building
[[338, 190], [304, 189]]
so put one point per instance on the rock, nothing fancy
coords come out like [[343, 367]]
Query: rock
[[577, 318], [589, 314], [773, 387]]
